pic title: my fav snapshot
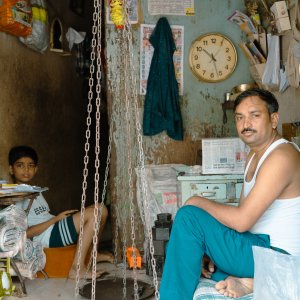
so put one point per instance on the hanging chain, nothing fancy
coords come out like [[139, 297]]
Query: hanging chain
[[97, 208], [148, 227], [124, 88], [96, 49], [129, 134]]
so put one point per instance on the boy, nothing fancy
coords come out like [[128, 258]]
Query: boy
[[54, 231]]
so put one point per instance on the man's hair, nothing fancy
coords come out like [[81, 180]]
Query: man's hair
[[264, 95], [18, 152]]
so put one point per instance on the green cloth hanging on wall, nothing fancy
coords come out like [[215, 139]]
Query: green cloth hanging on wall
[[162, 109]]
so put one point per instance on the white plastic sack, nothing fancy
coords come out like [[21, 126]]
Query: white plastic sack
[[162, 191], [271, 76], [284, 84], [276, 275], [38, 39]]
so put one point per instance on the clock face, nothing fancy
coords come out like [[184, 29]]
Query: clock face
[[212, 57]]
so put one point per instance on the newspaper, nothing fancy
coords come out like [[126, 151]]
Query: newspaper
[[147, 50], [171, 7], [20, 188], [245, 23], [223, 156]]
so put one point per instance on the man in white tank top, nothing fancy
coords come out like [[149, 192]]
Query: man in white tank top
[[268, 214]]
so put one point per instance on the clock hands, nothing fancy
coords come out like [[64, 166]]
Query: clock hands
[[212, 60], [215, 66], [221, 44], [207, 53]]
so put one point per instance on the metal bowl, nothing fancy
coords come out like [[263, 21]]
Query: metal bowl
[[243, 87]]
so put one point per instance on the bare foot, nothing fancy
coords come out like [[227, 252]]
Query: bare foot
[[235, 287], [105, 256], [83, 275]]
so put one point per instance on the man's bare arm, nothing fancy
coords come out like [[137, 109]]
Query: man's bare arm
[[274, 176]]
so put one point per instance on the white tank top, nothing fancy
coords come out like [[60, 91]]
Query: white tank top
[[281, 221]]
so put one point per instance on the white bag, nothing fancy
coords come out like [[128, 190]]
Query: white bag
[[163, 191], [271, 76], [38, 39], [276, 275]]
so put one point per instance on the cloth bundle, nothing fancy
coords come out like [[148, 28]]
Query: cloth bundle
[[30, 259], [11, 237], [16, 215], [29, 256], [27, 252], [13, 225], [28, 269]]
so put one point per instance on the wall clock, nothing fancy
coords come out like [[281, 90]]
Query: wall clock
[[212, 57]]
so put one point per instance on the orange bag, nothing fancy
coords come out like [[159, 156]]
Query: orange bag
[[15, 17]]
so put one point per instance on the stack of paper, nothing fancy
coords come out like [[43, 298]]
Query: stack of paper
[[7, 188]]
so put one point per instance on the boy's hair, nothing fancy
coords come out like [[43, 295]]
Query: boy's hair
[[264, 95], [18, 152]]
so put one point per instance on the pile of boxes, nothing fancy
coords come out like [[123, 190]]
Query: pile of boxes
[[161, 232]]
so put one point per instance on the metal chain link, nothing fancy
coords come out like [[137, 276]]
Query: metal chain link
[[124, 162], [129, 133], [96, 31], [97, 209], [138, 127]]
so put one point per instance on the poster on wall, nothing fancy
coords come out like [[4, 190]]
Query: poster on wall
[[146, 53], [133, 11], [171, 7]]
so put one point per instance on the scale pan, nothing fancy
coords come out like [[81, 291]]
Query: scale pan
[[112, 289]]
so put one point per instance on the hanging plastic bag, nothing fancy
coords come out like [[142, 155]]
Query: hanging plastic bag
[[38, 39], [272, 68], [276, 275], [6, 285], [15, 17], [284, 84]]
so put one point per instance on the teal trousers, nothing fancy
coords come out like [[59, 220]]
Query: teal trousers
[[195, 233]]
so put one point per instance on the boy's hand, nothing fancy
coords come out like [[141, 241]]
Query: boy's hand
[[66, 213]]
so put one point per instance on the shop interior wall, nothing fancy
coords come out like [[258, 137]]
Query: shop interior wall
[[201, 102], [42, 105]]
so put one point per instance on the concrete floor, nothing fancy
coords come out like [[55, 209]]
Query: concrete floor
[[61, 288]]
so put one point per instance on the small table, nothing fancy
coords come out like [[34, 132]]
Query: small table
[[13, 198]]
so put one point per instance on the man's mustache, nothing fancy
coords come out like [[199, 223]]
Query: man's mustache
[[248, 130]]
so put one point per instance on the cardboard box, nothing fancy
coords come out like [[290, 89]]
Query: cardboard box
[[279, 9], [281, 16], [223, 156], [283, 24]]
